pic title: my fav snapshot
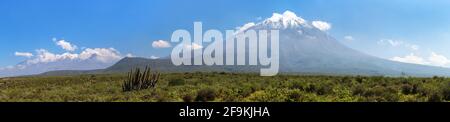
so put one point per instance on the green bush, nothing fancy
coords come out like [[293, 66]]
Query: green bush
[[176, 82], [270, 95], [358, 90], [324, 89], [298, 85], [446, 92], [435, 97], [295, 96], [188, 98], [408, 89], [205, 95]]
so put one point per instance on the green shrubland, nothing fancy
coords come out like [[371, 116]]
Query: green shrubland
[[227, 87]]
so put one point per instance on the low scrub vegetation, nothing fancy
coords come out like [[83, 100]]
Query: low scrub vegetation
[[227, 87]]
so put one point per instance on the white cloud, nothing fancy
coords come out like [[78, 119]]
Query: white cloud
[[411, 58], [414, 47], [161, 44], [321, 25], [44, 56], [391, 42], [154, 57], [23, 54], [99, 54], [433, 60], [349, 38], [396, 43], [438, 60], [66, 45]]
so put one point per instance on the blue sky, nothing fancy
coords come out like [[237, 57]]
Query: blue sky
[[416, 31]]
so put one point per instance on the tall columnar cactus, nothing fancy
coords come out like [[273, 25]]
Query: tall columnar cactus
[[140, 80]]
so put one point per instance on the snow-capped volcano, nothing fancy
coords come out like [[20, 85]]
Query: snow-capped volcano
[[286, 20], [306, 47]]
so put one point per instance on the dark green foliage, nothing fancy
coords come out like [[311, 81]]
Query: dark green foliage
[[358, 90], [409, 89], [298, 85], [435, 97], [140, 80], [295, 96], [176, 82], [188, 98], [205, 95], [446, 91]]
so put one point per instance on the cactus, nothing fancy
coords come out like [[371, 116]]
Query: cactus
[[140, 80]]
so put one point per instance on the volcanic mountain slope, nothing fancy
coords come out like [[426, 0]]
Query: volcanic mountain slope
[[303, 49]]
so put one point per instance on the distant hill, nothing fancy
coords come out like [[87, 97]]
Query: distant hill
[[166, 66], [160, 65]]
